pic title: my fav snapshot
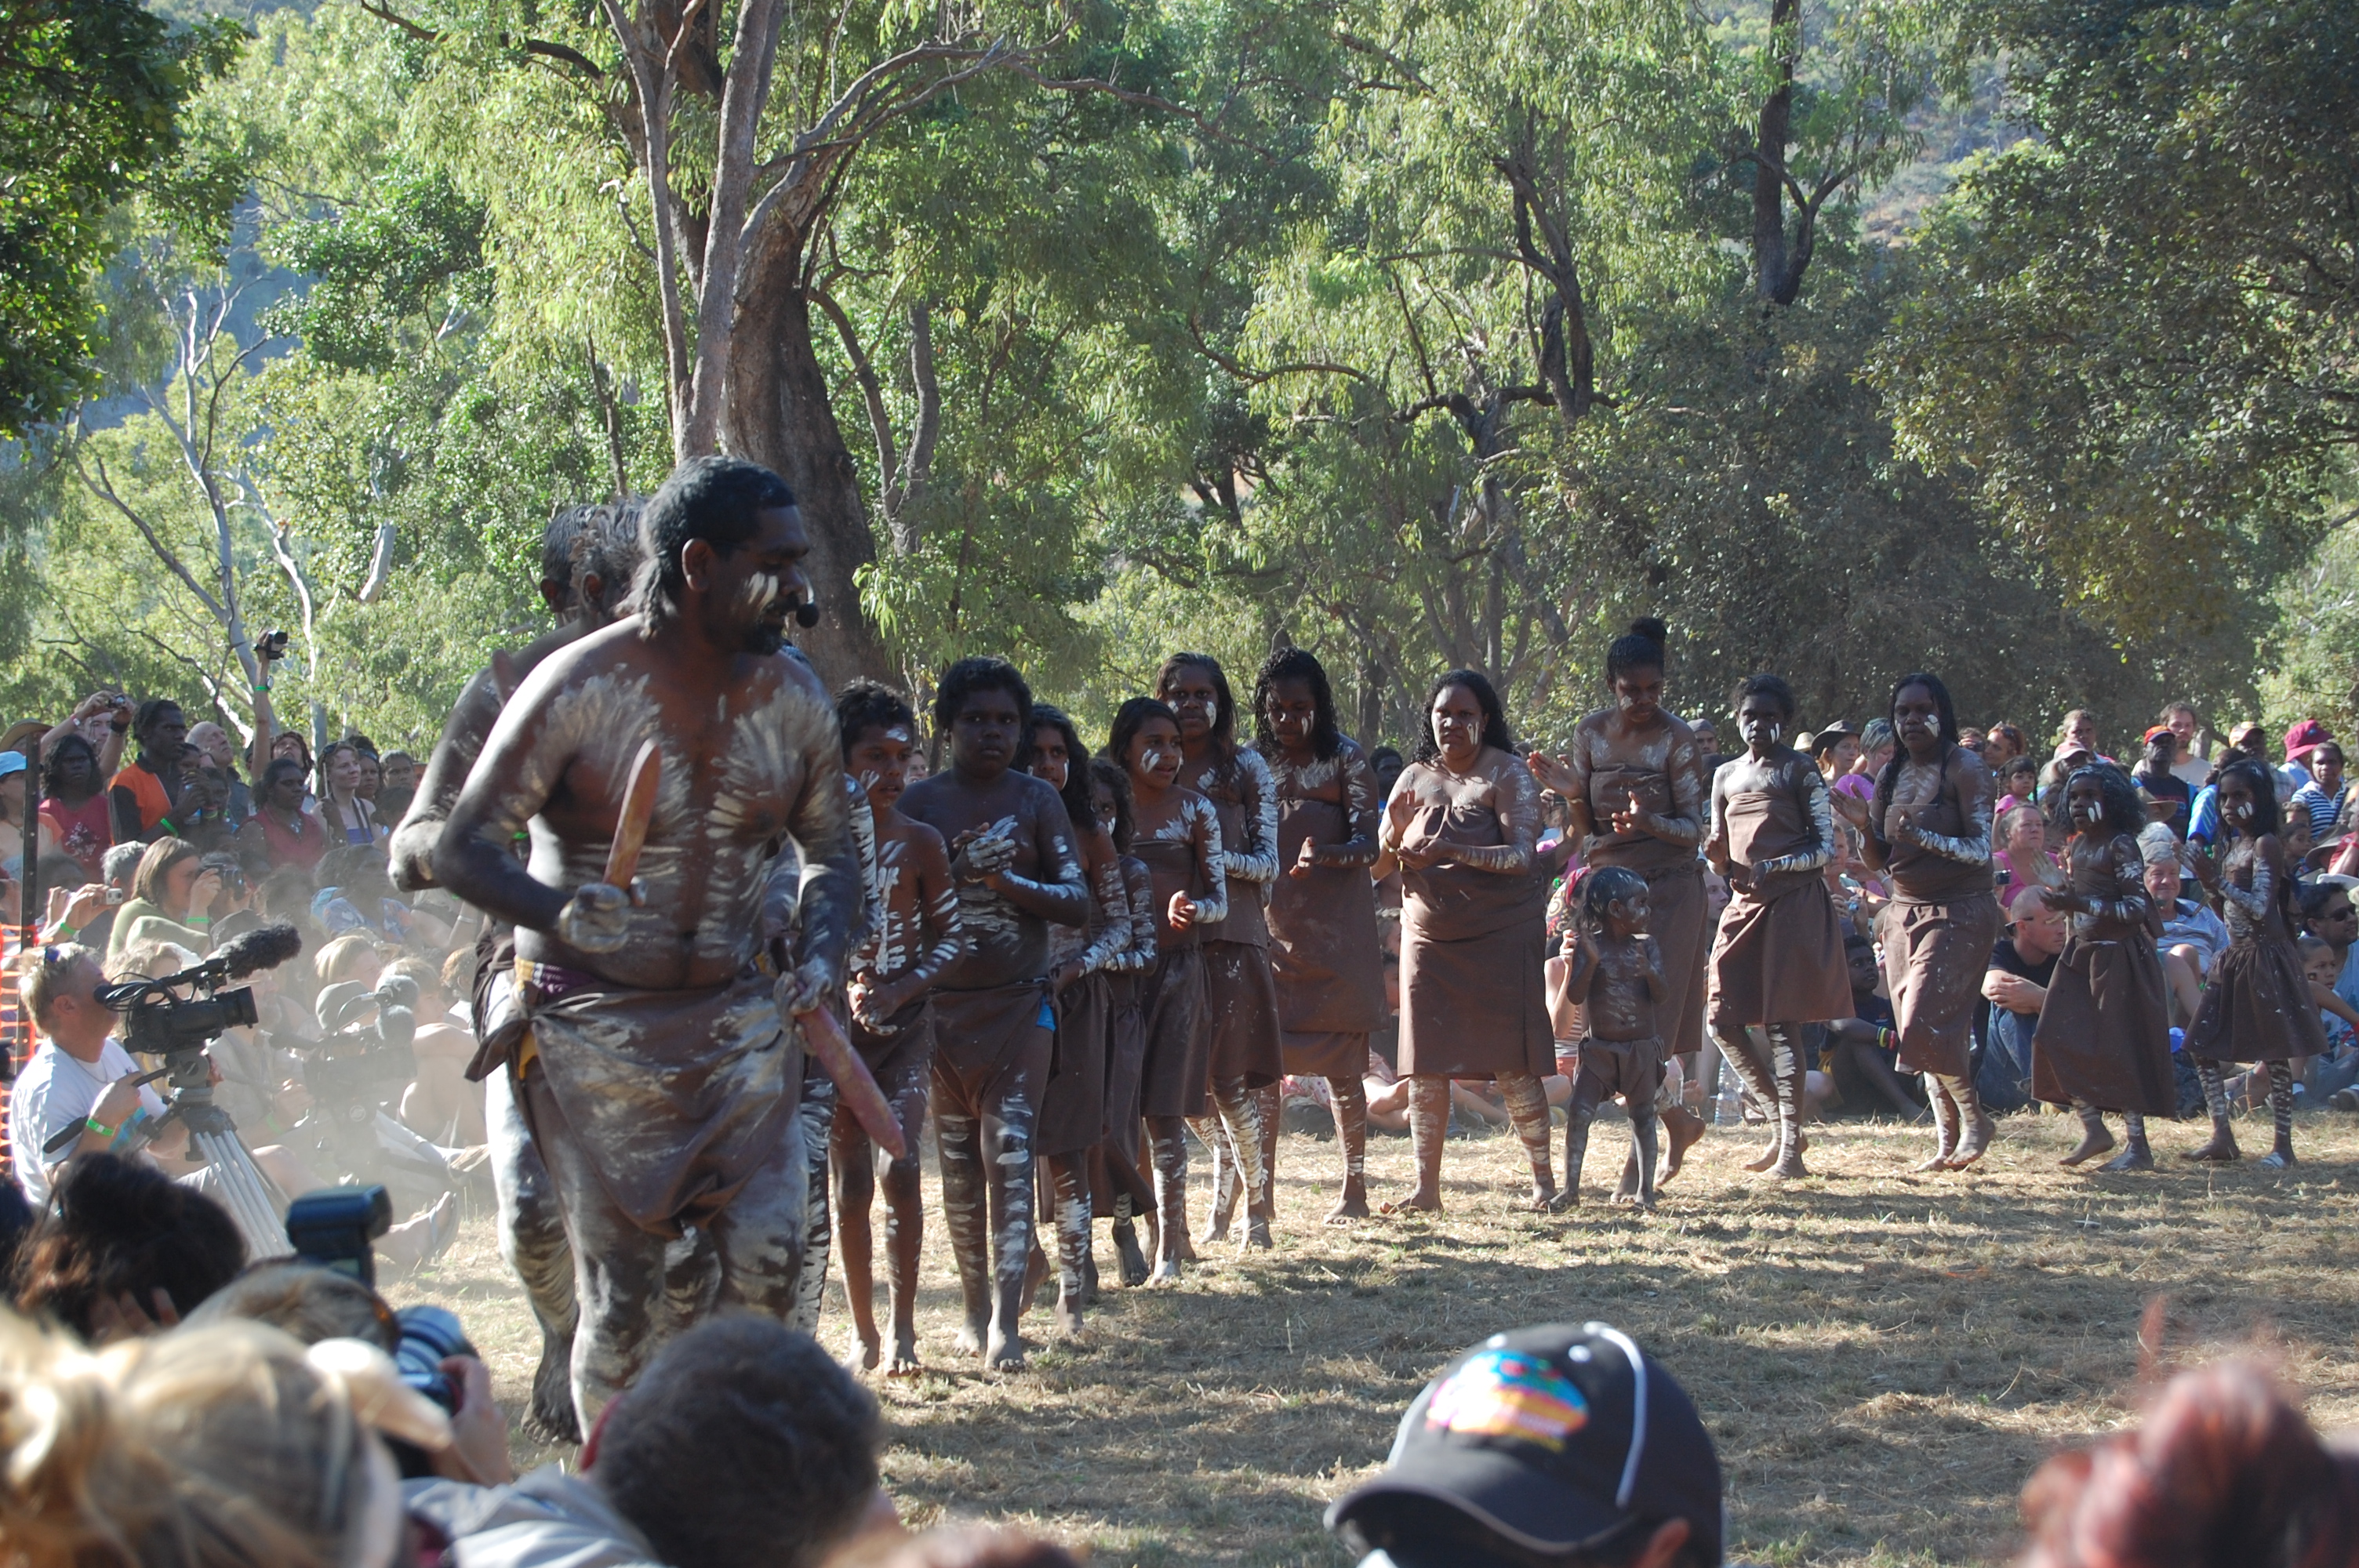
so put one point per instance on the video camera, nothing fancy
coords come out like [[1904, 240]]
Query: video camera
[[159, 1021], [361, 1062]]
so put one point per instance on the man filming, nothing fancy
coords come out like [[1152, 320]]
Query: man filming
[[80, 1073]]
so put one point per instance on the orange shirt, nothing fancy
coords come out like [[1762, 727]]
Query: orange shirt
[[147, 790]]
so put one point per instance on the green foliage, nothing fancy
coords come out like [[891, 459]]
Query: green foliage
[[91, 97], [2138, 331], [411, 258]]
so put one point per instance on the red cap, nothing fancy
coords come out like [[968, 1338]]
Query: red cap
[[2305, 738]]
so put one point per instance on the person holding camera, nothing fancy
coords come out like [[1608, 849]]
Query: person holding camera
[[172, 895]]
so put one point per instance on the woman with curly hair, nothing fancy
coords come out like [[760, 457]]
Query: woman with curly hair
[[2257, 1007], [2103, 1039]]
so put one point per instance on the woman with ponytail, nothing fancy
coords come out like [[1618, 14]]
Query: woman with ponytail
[[1635, 789], [1929, 829]]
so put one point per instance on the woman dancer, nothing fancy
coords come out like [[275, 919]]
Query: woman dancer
[[1179, 838], [1323, 912], [1073, 1108], [1778, 960], [1929, 829], [1461, 824], [2257, 1007], [2103, 1038], [1240, 991], [1634, 788], [1115, 1186]]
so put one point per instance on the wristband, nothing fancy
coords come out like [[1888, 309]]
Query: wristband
[[66, 933], [201, 921], [99, 1127]]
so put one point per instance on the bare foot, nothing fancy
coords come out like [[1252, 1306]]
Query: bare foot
[[1069, 1316], [1543, 1198], [1686, 1129], [1133, 1259], [2136, 1157], [1167, 1272], [1216, 1232], [1256, 1236], [1975, 1141], [1568, 1199], [2275, 1159], [1641, 1201], [1420, 1201], [2221, 1150], [905, 1355], [871, 1353], [1790, 1168], [1351, 1206], [1003, 1353], [1036, 1269], [971, 1335], [1769, 1156], [2094, 1141]]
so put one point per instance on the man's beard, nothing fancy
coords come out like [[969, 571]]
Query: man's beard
[[765, 639]]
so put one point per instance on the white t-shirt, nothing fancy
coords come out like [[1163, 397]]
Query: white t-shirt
[[54, 1092]]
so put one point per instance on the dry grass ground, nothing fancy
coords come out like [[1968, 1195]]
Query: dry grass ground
[[1882, 1356]]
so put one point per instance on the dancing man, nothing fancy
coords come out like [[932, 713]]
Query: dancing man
[[658, 1069], [588, 557], [1012, 853], [1929, 831]]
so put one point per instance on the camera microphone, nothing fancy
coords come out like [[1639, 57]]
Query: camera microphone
[[807, 613], [265, 948]]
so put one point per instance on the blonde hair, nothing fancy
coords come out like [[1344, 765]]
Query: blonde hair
[[212, 1447], [42, 973], [334, 962]]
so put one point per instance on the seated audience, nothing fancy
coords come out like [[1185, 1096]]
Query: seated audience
[[2015, 989]]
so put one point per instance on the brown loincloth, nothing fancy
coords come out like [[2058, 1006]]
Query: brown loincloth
[[1632, 1069], [1935, 955], [1175, 1070], [911, 1042], [989, 1043], [2257, 1006], [1473, 990], [1330, 1056], [676, 1097], [2103, 1035], [1073, 1110], [1241, 1000]]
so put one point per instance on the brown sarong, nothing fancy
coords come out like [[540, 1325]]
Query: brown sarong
[[1779, 955], [1072, 1111], [1324, 951], [1241, 1000], [2257, 1006], [676, 1097], [1126, 1060], [1679, 917], [1473, 990], [2103, 1035], [1176, 1069], [988, 1044], [1935, 955]]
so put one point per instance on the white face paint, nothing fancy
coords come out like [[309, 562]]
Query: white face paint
[[761, 591], [1212, 713]]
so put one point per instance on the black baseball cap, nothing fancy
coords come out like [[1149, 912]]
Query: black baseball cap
[[1555, 1437]]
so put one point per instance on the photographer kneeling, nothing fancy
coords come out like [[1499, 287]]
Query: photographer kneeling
[[81, 1074]]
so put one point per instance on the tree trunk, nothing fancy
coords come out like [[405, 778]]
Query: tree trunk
[[777, 414]]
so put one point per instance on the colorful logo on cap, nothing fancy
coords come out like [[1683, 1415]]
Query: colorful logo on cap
[[1509, 1393]]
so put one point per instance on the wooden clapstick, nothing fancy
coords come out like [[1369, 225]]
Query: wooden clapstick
[[853, 1080], [639, 791]]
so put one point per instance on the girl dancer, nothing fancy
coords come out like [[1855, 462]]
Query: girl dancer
[[2257, 1007], [1323, 912], [2103, 1039], [1929, 829], [1179, 837], [1779, 961]]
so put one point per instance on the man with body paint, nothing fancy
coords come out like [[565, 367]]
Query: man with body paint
[[1012, 855], [658, 1067], [589, 555]]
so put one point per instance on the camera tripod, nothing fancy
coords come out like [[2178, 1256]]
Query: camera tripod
[[251, 1198]]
